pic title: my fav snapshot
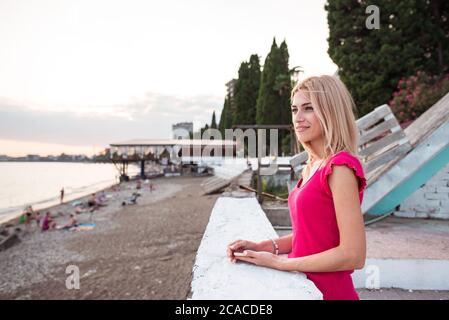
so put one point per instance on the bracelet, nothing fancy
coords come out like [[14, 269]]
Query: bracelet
[[275, 247]]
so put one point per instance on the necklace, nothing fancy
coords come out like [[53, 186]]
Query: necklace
[[316, 162], [311, 175]]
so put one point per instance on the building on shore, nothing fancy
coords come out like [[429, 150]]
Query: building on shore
[[182, 130]]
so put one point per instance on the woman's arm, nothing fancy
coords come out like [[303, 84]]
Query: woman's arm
[[284, 243], [350, 253]]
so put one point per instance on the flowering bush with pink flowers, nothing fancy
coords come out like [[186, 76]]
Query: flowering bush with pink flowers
[[415, 94]]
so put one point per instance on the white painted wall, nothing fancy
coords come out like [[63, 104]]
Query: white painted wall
[[216, 278], [422, 274], [429, 201]]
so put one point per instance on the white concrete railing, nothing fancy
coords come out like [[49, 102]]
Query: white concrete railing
[[216, 278], [227, 172], [236, 161], [408, 274]]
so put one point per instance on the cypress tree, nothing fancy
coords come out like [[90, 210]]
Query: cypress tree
[[246, 91], [268, 100], [213, 124], [225, 121], [273, 102], [254, 85], [241, 95], [284, 84]]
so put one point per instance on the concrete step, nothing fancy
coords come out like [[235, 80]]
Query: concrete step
[[278, 216]]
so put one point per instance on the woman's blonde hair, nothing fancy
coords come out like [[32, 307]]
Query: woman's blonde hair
[[333, 106]]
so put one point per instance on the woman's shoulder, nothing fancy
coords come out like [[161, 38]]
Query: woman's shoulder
[[344, 158]]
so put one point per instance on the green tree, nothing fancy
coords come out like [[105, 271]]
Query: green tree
[[225, 117], [284, 85], [273, 102], [254, 86], [241, 84], [268, 100], [412, 37], [213, 123], [246, 91]]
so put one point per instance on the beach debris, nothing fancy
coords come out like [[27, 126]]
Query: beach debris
[[3, 231], [84, 227], [88, 273], [266, 194], [166, 258], [8, 241], [76, 203]]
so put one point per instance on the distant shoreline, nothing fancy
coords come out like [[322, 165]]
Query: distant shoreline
[[14, 220], [12, 212], [53, 161]]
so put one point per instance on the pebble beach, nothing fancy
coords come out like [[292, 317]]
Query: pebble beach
[[141, 251]]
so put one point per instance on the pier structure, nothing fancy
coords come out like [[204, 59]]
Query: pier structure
[[169, 153]]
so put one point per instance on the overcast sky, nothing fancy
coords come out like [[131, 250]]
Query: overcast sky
[[78, 75]]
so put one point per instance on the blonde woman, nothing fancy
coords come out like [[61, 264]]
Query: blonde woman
[[328, 236]]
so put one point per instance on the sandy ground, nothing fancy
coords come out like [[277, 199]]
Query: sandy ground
[[143, 251], [405, 238]]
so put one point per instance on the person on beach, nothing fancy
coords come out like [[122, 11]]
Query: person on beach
[[48, 223], [62, 195], [80, 209], [92, 202], [38, 219], [102, 199], [28, 216], [328, 235], [133, 199], [71, 224]]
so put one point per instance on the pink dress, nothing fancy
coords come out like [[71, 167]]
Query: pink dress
[[315, 228]]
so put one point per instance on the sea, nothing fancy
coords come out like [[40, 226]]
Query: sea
[[39, 183]]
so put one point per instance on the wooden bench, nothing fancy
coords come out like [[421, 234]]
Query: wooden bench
[[429, 137]]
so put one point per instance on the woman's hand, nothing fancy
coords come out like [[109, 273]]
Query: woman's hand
[[239, 246], [263, 259]]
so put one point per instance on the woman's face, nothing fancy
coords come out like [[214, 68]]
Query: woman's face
[[306, 123]]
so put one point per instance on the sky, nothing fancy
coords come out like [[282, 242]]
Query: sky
[[76, 76]]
